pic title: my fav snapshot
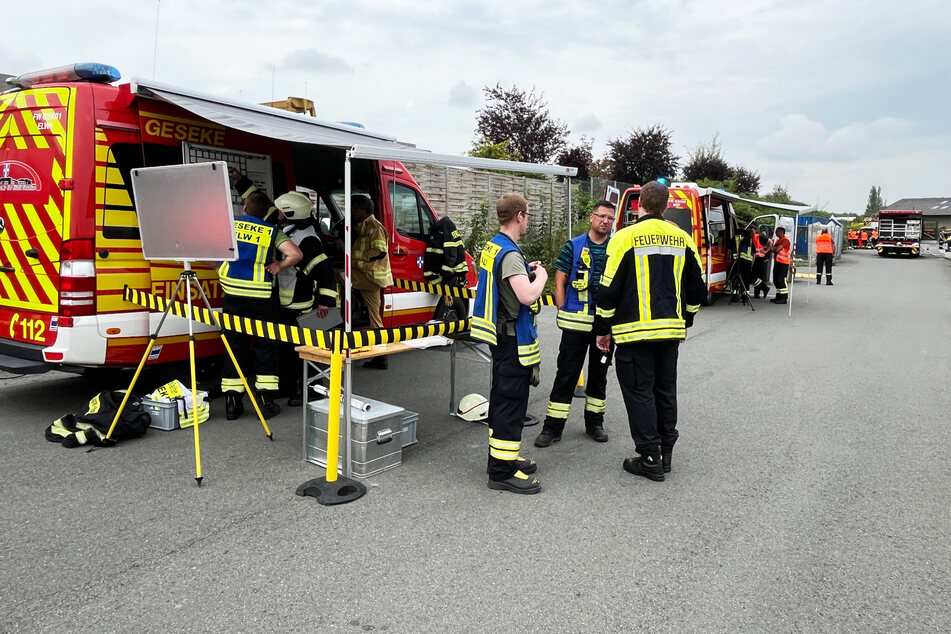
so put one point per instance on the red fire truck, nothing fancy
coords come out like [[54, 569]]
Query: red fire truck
[[69, 237], [899, 231]]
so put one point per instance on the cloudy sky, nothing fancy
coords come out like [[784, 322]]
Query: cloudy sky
[[826, 98]]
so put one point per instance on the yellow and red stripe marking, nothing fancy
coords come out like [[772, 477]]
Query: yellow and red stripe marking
[[35, 131]]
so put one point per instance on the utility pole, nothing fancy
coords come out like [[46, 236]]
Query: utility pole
[[158, 7]]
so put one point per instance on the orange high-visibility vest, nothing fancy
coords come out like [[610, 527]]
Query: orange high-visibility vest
[[783, 256], [853, 235], [824, 243], [760, 250]]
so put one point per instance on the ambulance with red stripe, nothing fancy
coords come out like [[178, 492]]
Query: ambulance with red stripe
[[706, 214], [69, 237]]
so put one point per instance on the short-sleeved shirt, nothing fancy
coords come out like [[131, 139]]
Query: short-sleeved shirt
[[599, 255], [513, 263]]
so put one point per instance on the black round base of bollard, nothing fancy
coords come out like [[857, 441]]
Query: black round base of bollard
[[340, 491], [530, 420]]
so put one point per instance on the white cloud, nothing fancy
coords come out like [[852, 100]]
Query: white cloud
[[586, 124], [801, 138], [462, 95], [313, 61]]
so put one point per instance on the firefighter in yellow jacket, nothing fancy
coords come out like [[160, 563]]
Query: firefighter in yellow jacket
[[371, 264], [651, 288]]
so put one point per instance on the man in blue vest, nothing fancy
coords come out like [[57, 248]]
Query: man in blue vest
[[577, 276], [506, 303], [248, 285]]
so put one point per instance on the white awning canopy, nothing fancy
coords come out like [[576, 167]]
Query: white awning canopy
[[798, 209], [288, 126]]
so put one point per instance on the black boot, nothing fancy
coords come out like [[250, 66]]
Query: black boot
[[377, 363], [547, 437], [828, 280], [596, 431], [666, 456], [269, 409], [648, 466], [297, 398], [818, 278], [234, 405]]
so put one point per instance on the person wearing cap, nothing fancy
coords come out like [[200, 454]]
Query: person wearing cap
[[577, 278], [371, 264], [504, 316], [311, 282], [248, 284]]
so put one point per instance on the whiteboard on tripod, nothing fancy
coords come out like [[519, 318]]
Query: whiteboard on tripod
[[185, 212]]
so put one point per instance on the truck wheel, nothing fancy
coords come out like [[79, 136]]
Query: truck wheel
[[457, 312]]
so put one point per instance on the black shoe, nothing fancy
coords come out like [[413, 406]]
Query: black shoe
[[665, 459], [269, 409], [377, 363], [756, 294], [597, 433], [518, 483], [828, 282], [546, 438], [234, 405], [296, 400], [525, 465], [649, 466]]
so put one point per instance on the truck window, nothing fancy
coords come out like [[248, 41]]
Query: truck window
[[118, 214], [411, 216]]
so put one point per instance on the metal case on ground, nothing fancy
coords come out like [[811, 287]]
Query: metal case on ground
[[375, 437]]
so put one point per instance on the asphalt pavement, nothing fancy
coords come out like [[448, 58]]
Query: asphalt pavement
[[809, 493]]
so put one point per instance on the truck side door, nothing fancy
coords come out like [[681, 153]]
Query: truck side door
[[411, 220]]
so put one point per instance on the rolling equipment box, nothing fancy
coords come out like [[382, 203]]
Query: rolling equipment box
[[377, 436]]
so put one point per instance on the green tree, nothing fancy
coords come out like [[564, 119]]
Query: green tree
[[706, 162], [522, 119], [875, 201], [579, 156], [644, 155]]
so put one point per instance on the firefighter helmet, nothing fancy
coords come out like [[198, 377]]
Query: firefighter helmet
[[473, 408], [294, 205]]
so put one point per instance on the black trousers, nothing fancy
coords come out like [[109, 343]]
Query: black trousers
[[250, 351], [647, 373], [824, 260], [574, 347], [759, 275], [508, 404], [779, 278]]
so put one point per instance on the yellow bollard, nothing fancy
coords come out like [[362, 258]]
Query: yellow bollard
[[333, 414]]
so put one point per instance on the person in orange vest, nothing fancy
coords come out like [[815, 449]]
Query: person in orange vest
[[825, 252], [761, 248], [853, 238], [874, 236], [863, 238], [783, 250]]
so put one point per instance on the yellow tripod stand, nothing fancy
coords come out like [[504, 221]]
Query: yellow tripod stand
[[189, 278]]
